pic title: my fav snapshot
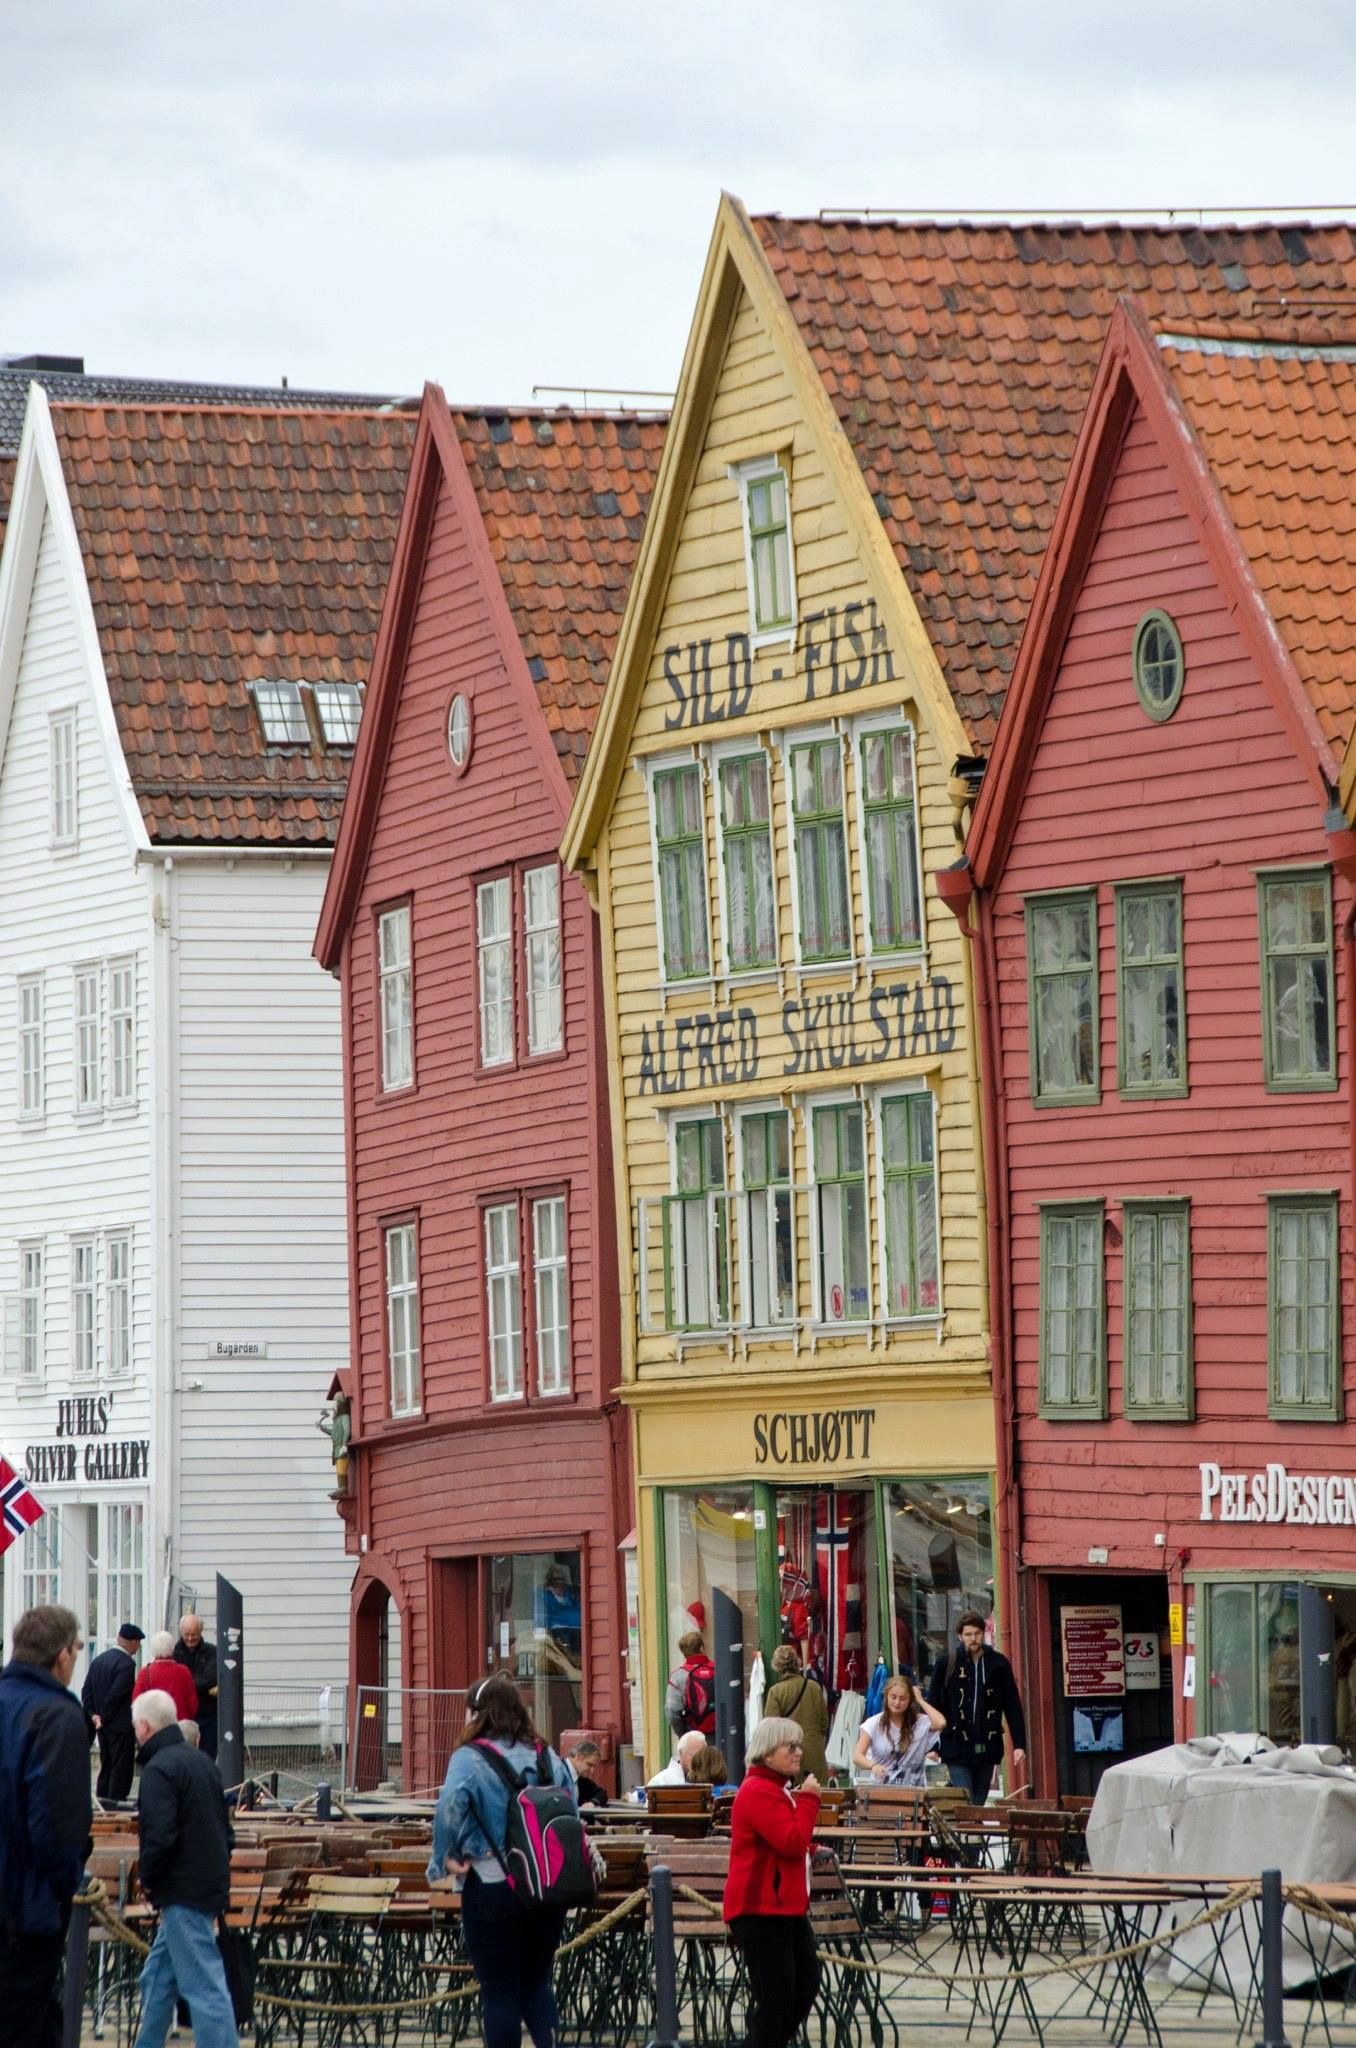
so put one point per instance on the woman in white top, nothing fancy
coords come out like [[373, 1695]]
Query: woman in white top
[[893, 1745]]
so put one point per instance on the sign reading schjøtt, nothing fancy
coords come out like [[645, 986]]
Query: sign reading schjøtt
[[1277, 1495]]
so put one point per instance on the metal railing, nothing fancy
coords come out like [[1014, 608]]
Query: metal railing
[[402, 1736], [299, 1731]]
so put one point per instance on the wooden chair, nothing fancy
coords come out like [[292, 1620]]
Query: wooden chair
[[892, 1805], [685, 1810]]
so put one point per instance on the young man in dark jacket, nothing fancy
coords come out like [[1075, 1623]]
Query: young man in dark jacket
[[107, 1699], [44, 1820], [185, 1863], [975, 1689]]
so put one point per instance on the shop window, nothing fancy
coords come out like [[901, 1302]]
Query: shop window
[[396, 977], [767, 540], [1298, 1046], [1073, 1321], [1157, 1292], [709, 1544], [534, 1621], [768, 1276], [1252, 1659], [842, 1247], [941, 1563], [696, 1229], [40, 1582], [1302, 1306], [909, 1167], [889, 820], [746, 855], [1061, 944], [680, 861], [820, 842], [1151, 1002]]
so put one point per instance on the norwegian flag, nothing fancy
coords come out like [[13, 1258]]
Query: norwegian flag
[[838, 1574], [19, 1509]]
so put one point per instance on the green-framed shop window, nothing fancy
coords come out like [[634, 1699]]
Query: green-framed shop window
[[767, 510], [1294, 913], [821, 850], [1159, 1377], [746, 852], [769, 1270], [680, 851], [889, 805], [1150, 990], [843, 1292], [1073, 1312], [1304, 1381], [909, 1164], [1061, 948], [1249, 1655], [696, 1230]]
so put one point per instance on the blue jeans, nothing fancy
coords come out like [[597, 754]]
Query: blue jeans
[[185, 1962], [972, 1777], [512, 1948]]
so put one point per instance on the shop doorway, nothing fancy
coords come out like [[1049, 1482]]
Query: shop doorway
[[828, 1583], [1112, 1673]]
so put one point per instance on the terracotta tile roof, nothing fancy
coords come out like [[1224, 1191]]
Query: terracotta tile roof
[[81, 387], [223, 546], [564, 495], [959, 358], [1278, 427]]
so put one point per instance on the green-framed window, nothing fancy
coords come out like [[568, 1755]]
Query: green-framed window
[[746, 853], [842, 1247], [680, 850], [1150, 989], [1299, 1048], [1061, 945], [1303, 1315], [767, 514], [821, 850], [894, 901], [696, 1229], [909, 1168], [1073, 1312], [1157, 1307], [769, 1277]]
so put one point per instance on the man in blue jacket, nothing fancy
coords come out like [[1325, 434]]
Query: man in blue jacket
[[45, 1812]]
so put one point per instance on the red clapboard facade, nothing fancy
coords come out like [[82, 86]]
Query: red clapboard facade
[[1161, 895], [488, 1487]]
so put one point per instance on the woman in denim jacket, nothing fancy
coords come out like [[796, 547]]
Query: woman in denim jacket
[[512, 1945]]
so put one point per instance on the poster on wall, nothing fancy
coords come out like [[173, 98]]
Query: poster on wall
[[1094, 1652], [1099, 1731], [1142, 1661]]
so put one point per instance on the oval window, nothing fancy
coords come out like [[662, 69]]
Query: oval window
[[459, 731], [1160, 666]]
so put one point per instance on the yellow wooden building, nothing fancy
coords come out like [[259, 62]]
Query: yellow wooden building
[[772, 784]]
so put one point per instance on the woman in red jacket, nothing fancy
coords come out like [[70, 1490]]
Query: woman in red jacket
[[767, 1893]]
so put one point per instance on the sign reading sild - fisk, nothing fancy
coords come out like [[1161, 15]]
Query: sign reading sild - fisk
[[712, 680]]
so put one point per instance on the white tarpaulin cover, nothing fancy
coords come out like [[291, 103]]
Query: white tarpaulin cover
[[1231, 1806]]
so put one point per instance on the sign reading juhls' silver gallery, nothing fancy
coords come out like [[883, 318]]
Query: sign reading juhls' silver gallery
[[1277, 1495]]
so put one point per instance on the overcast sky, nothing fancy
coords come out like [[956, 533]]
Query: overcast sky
[[363, 195]]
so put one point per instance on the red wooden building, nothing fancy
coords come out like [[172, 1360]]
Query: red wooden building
[[488, 1489], [1161, 892]]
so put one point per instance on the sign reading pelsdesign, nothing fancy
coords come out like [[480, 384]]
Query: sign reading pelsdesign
[[1277, 1495]]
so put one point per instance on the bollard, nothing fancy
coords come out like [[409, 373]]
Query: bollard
[[665, 1962], [1273, 2012], [324, 1803], [77, 1970]]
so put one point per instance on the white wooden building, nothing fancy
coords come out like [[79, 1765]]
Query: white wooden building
[[189, 597]]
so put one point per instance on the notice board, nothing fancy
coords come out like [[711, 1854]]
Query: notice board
[[1093, 1645]]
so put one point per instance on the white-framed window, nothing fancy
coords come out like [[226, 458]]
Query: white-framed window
[[911, 1253], [62, 779], [494, 949], [749, 887], [541, 937], [32, 1048], [340, 706], [551, 1283], [89, 1094], [887, 800], [84, 1308], [118, 1303], [122, 1554], [842, 1236], [402, 1317], [765, 501], [503, 1299], [32, 1310], [40, 1584], [282, 713], [396, 975], [122, 1033]]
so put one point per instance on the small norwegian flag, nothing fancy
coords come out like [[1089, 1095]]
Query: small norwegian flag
[[19, 1508]]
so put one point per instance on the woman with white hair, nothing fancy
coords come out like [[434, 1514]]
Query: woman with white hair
[[767, 1893], [160, 1673]]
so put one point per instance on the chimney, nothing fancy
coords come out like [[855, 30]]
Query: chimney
[[70, 366]]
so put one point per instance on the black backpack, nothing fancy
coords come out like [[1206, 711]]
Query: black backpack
[[545, 1852]]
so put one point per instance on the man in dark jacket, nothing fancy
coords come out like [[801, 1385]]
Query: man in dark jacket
[[975, 1689], [44, 1820], [185, 1866], [200, 1658], [107, 1697]]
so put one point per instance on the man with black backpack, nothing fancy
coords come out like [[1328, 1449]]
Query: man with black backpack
[[975, 1689], [690, 1701]]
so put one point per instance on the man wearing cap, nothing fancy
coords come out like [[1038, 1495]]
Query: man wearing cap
[[107, 1698]]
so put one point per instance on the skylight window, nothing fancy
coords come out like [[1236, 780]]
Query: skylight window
[[341, 708], [282, 714]]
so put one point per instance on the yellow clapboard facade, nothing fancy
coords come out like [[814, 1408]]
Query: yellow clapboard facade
[[790, 1038]]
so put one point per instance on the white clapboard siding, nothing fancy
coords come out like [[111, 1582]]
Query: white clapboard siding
[[262, 1256]]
